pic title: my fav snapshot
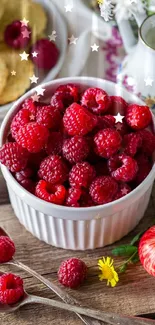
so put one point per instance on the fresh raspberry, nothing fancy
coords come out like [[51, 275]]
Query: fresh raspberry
[[72, 273], [51, 193], [101, 168], [64, 96], [30, 105], [54, 144], [24, 178], [144, 168], [117, 105], [78, 120], [14, 35], [96, 99], [53, 170], [81, 175], [103, 189], [148, 142], [32, 136], [73, 197], [49, 116], [132, 142], [75, 149], [123, 168], [11, 289], [7, 249], [107, 142], [138, 117], [13, 156], [123, 190], [23, 117], [48, 54], [106, 122]]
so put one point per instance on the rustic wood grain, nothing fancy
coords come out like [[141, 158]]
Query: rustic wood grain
[[134, 294]]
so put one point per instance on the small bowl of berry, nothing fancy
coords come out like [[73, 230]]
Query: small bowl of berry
[[79, 162]]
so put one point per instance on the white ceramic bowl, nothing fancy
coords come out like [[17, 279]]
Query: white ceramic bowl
[[55, 22], [77, 228]]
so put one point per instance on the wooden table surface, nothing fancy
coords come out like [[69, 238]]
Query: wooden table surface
[[135, 293]]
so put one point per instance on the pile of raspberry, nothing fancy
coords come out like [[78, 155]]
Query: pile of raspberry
[[82, 149]]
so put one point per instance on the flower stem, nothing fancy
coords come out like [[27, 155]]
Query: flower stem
[[122, 267]]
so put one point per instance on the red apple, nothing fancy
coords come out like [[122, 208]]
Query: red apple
[[147, 251]]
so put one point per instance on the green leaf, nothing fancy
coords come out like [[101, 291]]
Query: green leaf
[[124, 250], [135, 259], [136, 238], [123, 268]]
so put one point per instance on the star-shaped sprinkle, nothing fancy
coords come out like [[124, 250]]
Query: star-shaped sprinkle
[[68, 8], [40, 90], [148, 81], [124, 191], [95, 47], [119, 126], [72, 40], [53, 36], [34, 54], [13, 73], [35, 98], [24, 22], [24, 56], [26, 33], [34, 79], [119, 118]]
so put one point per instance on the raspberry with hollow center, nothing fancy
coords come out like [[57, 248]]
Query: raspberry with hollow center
[[49, 116], [107, 142], [54, 144], [64, 96], [33, 137], [96, 100], [14, 35], [7, 249], [81, 175], [148, 142], [53, 170], [13, 156], [23, 117], [123, 189], [48, 54], [132, 142], [103, 189], [78, 121], [117, 105], [51, 193], [75, 149], [138, 117], [11, 289], [123, 168], [72, 272]]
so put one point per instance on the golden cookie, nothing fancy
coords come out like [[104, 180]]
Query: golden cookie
[[3, 74], [16, 84]]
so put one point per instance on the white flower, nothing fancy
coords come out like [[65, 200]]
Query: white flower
[[106, 9], [124, 9]]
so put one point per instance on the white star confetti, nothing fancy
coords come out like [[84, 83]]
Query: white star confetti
[[119, 118], [72, 40], [24, 22], [95, 47], [24, 56], [106, 9], [34, 54], [53, 36], [40, 90], [148, 81], [35, 98], [13, 73], [34, 79], [68, 8], [26, 33]]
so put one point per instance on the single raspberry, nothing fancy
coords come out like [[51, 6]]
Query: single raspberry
[[49, 116], [132, 142], [11, 289], [15, 35], [30, 105], [51, 193], [81, 175], [7, 249], [78, 120], [64, 96], [32, 136], [106, 122], [138, 117], [53, 170], [23, 117], [95, 99], [148, 142], [107, 142], [48, 54], [75, 149], [101, 168], [54, 144], [72, 273], [103, 189], [123, 189], [123, 168], [24, 178], [13, 156], [117, 105], [73, 196], [144, 168]]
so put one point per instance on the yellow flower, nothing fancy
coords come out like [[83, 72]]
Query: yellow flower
[[100, 2], [107, 271]]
